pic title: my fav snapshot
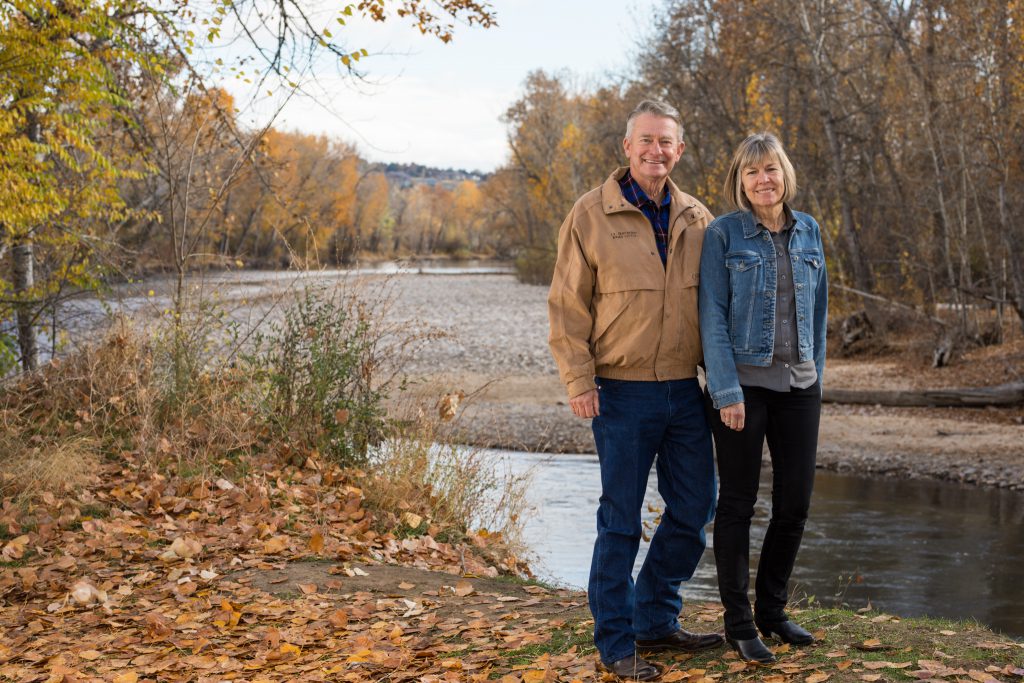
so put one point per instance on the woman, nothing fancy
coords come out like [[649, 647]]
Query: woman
[[763, 300]]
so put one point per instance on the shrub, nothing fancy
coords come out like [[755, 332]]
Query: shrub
[[535, 266], [326, 369]]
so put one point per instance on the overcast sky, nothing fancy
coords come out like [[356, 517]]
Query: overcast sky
[[439, 104]]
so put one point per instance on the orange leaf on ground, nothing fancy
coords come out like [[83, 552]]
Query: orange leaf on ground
[[275, 545], [316, 542], [463, 588]]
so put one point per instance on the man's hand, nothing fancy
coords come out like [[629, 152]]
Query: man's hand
[[585, 405], [734, 416]]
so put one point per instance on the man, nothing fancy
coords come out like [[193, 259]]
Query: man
[[623, 314]]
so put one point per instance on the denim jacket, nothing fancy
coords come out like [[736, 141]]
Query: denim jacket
[[738, 281]]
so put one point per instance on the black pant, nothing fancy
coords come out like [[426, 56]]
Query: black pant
[[789, 422]]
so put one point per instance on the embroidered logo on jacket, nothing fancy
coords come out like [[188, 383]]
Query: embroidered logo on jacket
[[624, 234]]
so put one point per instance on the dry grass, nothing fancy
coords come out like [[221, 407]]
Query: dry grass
[[449, 489], [61, 466], [107, 400]]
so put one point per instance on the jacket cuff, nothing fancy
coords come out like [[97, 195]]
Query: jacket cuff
[[727, 398], [580, 385]]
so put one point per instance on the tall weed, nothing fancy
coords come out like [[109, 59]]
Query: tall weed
[[327, 368]]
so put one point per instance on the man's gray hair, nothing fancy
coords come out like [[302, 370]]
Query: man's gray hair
[[658, 109]]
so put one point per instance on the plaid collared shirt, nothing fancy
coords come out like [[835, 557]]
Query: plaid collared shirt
[[657, 215]]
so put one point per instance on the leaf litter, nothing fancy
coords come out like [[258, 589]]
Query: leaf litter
[[283, 576]]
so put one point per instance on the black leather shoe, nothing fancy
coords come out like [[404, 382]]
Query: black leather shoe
[[683, 641], [753, 650], [786, 631], [634, 668]]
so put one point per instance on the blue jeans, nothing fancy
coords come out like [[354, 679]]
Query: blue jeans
[[638, 421]]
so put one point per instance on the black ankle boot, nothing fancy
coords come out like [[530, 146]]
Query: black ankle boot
[[786, 631], [752, 650]]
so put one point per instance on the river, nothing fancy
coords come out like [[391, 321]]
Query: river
[[905, 547]]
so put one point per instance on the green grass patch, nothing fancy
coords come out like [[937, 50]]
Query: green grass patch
[[94, 511], [562, 640], [525, 581]]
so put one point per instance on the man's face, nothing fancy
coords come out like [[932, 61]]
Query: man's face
[[652, 148]]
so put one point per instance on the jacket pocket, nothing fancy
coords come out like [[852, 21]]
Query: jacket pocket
[[608, 308], [746, 292]]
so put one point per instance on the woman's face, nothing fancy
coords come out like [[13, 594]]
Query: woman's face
[[763, 183]]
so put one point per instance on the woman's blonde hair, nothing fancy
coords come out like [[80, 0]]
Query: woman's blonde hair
[[752, 151]]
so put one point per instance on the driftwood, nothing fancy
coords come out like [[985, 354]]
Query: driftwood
[[1002, 395]]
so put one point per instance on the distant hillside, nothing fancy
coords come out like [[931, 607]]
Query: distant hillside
[[406, 175]]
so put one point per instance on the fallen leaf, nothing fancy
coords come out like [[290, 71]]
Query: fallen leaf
[[412, 520], [316, 542], [84, 593], [406, 586], [871, 677], [127, 677], [817, 677], [275, 545], [90, 654], [186, 548], [947, 632], [463, 588], [674, 676], [307, 588], [15, 548]]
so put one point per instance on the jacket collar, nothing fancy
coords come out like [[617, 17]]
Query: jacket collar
[[613, 202], [750, 228]]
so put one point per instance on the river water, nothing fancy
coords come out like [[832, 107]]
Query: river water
[[905, 547]]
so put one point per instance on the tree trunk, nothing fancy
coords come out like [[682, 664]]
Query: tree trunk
[[22, 262], [814, 35], [1002, 395], [22, 259]]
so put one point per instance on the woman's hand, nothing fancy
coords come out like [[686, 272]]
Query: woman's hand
[[734, 416]]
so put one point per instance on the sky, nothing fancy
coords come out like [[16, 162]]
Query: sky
[[440, 104]]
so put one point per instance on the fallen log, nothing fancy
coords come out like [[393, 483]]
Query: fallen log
[[980, 397]]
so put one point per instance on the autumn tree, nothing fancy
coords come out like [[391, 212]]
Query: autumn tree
[[64, 87], [59, 98], [899, 117], [562, 143]]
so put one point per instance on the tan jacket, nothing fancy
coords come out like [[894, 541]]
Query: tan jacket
[[614, 310]]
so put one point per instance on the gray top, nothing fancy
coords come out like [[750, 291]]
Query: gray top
[[784, 372]]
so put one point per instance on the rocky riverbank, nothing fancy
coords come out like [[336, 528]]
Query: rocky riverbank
[[495, 351]]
